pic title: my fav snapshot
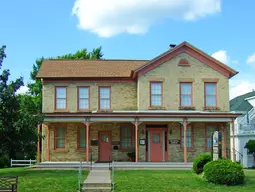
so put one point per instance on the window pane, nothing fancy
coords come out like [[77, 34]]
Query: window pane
[[126, 138], [210, 100], [210, 88], [61, 104], [83, 104], [82, 137], [60, 143], [210, 130], [84, 93], [104, 92], [156, 100], [105, 104], [61, 92], [188, 131], [60, 132], [186, 88], [209, 142], [156, 88], [60, 137], [186, 100]]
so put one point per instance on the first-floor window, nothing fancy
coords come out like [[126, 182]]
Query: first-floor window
[[60, 137], [126, 138], [209, 131], [82, 137], [189, 137]]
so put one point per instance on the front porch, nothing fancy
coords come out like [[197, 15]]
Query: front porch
[[152, 137]]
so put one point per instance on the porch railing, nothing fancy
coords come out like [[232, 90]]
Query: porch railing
[[22, 163]]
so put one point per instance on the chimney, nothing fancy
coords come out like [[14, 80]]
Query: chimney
[[172, 45]]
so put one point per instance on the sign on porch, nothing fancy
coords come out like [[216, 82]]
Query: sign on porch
[[216, 145], [174, 141]]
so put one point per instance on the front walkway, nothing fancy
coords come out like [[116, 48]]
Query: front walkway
[[98, 180]]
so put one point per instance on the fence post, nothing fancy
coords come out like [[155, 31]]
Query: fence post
[[30, 162], [113, 176], [79, 176], [11, 162]]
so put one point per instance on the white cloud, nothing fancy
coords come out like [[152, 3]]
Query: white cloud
[[251, 59], [240, 88], [22, 90], [221, 56], [112, 17]]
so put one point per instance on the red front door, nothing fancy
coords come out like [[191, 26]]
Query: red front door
[[105, 146], [156, 146]]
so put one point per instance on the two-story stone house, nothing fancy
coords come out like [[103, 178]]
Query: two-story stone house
[[164, 109]]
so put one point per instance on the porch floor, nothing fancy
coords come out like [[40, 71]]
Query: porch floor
[[116, 165]]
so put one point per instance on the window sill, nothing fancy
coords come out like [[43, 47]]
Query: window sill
[[60, 110], [61, 150], [104, 110], [157, 108], [187, 108], [83, 110], [211, 108]]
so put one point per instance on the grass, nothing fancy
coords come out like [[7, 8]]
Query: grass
[[45, 180], [174, 181]]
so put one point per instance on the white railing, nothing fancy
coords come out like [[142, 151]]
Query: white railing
[[28, 162]]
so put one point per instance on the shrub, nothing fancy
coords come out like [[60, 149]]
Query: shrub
[[224, 172], [250, 145], [200, 161], [4, 161]]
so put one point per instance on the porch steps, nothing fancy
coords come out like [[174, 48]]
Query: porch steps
[[97, 181]]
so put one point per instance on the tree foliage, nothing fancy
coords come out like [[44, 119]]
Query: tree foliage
[[16, 132]]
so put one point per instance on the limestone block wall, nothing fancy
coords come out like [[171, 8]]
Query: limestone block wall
[[171, 75], [71, 153], [123, 96]]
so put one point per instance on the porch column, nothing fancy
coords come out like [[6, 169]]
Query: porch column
[[38, 144], [163, 147], [48, 143], [233, 139], [225, 140], [87, 140], [136, 141], [184, 140], [149, 147]]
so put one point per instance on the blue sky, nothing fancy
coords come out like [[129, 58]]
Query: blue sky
[[130, 29]]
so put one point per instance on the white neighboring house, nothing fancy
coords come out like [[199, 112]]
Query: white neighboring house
[[244, 131]]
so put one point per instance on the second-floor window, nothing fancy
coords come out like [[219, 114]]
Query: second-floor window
[[60, 97], [210, 95], [104, 97], [156, 93], [83, 96], [186, 94]]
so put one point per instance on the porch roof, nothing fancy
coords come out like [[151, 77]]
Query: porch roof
[[142, 116]]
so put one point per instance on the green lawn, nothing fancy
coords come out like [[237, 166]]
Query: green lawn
[[174, 181], [45, 180]]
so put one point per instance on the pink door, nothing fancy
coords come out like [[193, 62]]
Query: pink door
[[105, 146], [156, 146]]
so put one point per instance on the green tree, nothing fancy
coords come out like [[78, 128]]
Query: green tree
[[35, 87], [9, 111]]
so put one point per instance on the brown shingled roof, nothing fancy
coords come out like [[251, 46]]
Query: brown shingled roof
[[88, 68]]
